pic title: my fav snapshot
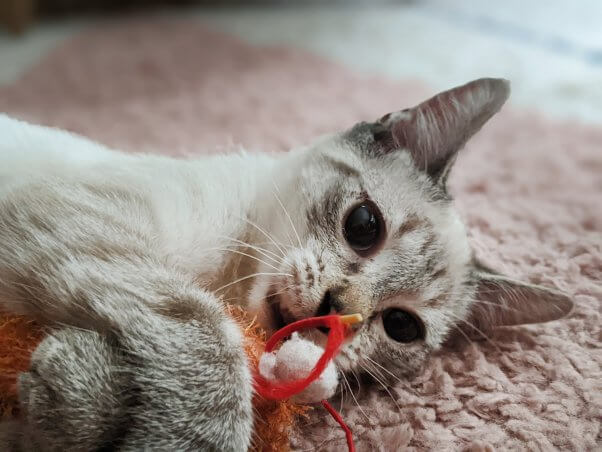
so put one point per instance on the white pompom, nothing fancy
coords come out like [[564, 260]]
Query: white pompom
[[267, 363], [294, 360]]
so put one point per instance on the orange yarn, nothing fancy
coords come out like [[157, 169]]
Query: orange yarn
[[19, 336], [273, 418]]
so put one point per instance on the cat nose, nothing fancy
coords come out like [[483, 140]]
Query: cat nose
[[330, 304], [344, 300]]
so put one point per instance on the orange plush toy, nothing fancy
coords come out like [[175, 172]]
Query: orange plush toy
[[275, 412], [19, 337]]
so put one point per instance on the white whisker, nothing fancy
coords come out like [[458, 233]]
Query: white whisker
[[243, 254], [353, 397], [284, 289], [269, 237], [274, 258], [342, 398], [253, 275], [287, 215], [283, 245], [385, 369], [365, 368]]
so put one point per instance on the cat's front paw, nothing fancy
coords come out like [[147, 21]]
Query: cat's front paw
[[12, 437], [159, 384], [71, 394]]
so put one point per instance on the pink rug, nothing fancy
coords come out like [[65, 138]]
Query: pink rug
[[530, 190]]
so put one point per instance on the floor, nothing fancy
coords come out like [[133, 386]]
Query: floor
[[551, 51]]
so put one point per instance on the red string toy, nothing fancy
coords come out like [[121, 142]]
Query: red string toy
[[338, 326]]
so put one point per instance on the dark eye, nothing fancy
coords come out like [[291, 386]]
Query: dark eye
[[401, 326], [363, 228]]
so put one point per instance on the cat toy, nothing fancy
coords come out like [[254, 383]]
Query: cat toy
[[270, 389], [286, 380]]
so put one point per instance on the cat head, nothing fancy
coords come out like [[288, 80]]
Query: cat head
[[369, 228]]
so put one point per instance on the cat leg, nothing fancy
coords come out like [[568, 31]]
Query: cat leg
[[165, 385], [148, 360], [72, 397]]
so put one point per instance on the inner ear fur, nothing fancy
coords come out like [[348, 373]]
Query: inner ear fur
[[502, 301]]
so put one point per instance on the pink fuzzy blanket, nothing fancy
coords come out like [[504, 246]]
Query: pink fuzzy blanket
[[530, 190]]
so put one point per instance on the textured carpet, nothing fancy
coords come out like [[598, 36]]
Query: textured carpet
[[530, 190]]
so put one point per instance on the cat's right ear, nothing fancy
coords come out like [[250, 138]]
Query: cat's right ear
[[435, 130], [502, 301]]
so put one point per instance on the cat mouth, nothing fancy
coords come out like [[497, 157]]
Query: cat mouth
[[278, 320], [281, 316]]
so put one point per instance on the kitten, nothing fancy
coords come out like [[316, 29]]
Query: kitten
[[131, 257]]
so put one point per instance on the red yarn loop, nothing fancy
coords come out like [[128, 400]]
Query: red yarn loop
[[337, 417], [283, 390]]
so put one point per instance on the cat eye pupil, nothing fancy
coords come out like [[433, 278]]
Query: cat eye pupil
[[401, 326], [362, 228]]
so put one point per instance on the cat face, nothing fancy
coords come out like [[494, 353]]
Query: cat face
[[371, 229], [377, 238]]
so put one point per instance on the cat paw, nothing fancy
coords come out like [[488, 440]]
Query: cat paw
[[12, 437], [69, 396], [165, 385]]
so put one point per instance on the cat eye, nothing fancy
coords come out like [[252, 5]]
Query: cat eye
[[401, 326], [363, 228]]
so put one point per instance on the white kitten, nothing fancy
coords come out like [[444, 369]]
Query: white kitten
[[133, 256]]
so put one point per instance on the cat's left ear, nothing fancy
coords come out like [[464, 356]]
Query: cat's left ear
[[435, 130], [501, 301]]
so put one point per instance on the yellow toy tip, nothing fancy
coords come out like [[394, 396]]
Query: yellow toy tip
[[350, 319]]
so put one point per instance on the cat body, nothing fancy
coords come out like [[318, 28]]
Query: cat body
[[212, 193], [132, 258]]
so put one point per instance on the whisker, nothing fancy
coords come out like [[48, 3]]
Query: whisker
[[470, 341], [395, 377], [342, 398], [277, 259], [365, 368], [353, 397], [287, 214], [253, 275], [359, 384], [226, 300], [284, 245], [289, 237], [284, 289], [243, 254], [269, 237]]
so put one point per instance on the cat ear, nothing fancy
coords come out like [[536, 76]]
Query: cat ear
[[435, 130], [501, 301]]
